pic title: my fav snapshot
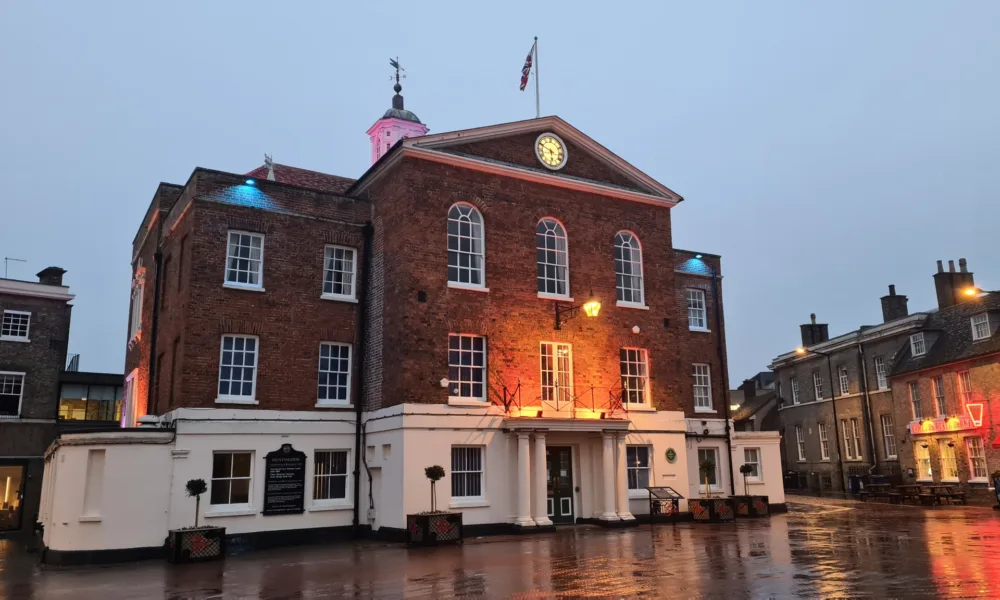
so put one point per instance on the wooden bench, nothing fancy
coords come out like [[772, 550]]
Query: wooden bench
[[953, 497], [892, 497]]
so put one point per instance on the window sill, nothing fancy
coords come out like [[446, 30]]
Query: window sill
[[224, 400], [469, 503], [336, 298], [702, 409], [925, 481], [639, 408], [238, 286], [455, 401], [235, 512], [332, 405], [90, 519], [466, 286], [545, 296], [982, 480], [700, 329], [953, 480], [638, 494], [622, 304], [755, 482], [8, 338], [892, 457], [329, 507]]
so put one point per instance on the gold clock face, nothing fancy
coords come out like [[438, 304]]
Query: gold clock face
[[550, 151]]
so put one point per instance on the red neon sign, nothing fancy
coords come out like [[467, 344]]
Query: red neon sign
[[975, 410]]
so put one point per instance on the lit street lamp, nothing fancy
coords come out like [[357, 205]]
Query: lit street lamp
[[591, 308]]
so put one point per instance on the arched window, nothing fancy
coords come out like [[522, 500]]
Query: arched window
[[466, 264], [628, 269], [553, 260]]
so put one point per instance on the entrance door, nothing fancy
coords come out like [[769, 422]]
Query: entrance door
[[559, 463], [11, 484]]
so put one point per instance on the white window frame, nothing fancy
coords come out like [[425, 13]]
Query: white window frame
[[888, 438], [260, 262], [937, 388], [824, 441], [20, 399], [856, 433], [922, 458], [636, 468], [980, 456], [233, 506], [475, 255], [128, 400], [702, 402], [800, 443], [844, 380], [949, 461], [980, 326], [135, 318], [818, 385], [329, 372], [346, 501], [631, 370], [624, 239], [9, 327], [697, 309], [965, 386], [794, 384], [918, 346], [916, 408], [555, 232], [559, 391], [328, 262], [758, 477], [455, 384], [717, 486], [848, 448], [880, 375], [238, 398], [468, 499]]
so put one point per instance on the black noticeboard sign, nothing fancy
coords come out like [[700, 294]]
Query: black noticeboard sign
[[284, 481]]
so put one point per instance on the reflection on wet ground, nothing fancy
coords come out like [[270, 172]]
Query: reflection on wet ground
[[822, 548]]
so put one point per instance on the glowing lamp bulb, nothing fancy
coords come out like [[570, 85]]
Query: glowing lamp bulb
[[592, 307], [800, 350], [251, 182], [698, 256], [970, 291]]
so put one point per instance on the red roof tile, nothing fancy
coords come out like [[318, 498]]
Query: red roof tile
[[304, 178]]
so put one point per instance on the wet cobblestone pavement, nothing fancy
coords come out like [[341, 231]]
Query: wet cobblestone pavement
[[821, 548]]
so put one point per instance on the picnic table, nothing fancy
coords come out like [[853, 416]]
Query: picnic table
[[910, 490], [944, 492], [879, 490]]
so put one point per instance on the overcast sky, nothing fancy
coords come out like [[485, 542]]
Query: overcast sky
[[825, 149]]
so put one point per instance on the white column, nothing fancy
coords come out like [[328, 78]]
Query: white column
[[623, 509], [523, 482], [608, 475], [541, 482]]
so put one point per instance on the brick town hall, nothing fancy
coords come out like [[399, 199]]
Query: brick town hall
[[502, 301]]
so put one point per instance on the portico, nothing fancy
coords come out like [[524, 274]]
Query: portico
[[570, 469]]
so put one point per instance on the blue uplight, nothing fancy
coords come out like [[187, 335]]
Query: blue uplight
[[697, 256], [251, 182]]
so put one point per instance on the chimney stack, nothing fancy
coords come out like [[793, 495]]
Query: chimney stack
[[749, 388], [893, 306], [813, 332], [950, 285], [51, 276]]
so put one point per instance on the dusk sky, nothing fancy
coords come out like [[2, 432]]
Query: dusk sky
[[825, 150]]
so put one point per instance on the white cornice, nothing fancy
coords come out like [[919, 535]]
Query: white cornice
[[35, 290]]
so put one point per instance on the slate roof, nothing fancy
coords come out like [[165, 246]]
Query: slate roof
[[304, 178], [949, 335], [750, 407]]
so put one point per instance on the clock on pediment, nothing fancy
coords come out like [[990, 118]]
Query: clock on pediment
[[551, 151]]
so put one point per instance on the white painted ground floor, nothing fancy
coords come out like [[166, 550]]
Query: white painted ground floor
[[124, 490]]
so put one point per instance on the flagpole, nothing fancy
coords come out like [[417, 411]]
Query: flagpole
[[538, 109]]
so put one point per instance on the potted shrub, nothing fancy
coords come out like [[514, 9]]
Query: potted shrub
[[195, 544], [433, 526], [749, 505], [709, 508]]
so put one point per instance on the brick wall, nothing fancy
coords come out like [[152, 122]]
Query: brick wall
[[43, 357]]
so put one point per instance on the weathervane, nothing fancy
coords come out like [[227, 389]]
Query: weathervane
[[399, 73]]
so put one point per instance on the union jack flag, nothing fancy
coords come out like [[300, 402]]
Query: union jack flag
[[526, 69]]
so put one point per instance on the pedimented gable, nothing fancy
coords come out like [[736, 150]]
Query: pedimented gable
[[512, 146]]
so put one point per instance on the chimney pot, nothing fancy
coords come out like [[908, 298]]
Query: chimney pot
[[51, 276], [951, 266], [812, 318], [893, 306], [963, 266], [940, 267], [892, 290]]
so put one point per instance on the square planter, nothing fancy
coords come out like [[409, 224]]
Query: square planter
[[196, 544], [712, 510], [751, 506], [430, 529]]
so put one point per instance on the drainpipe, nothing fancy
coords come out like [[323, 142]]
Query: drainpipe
[[360, 355], [151, 385], [866, 402], [725, 376]]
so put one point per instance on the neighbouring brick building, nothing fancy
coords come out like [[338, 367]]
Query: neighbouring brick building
[[33, 336], [503, 301], [946, 388]]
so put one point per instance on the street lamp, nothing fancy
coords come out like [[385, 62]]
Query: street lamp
[[833, 400], [591, 308]]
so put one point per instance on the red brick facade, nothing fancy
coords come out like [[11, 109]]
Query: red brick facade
[[410, 308]]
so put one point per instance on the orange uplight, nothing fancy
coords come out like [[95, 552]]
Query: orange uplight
[[592, 307], [975, 410], [800, 350], [970, 291]]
